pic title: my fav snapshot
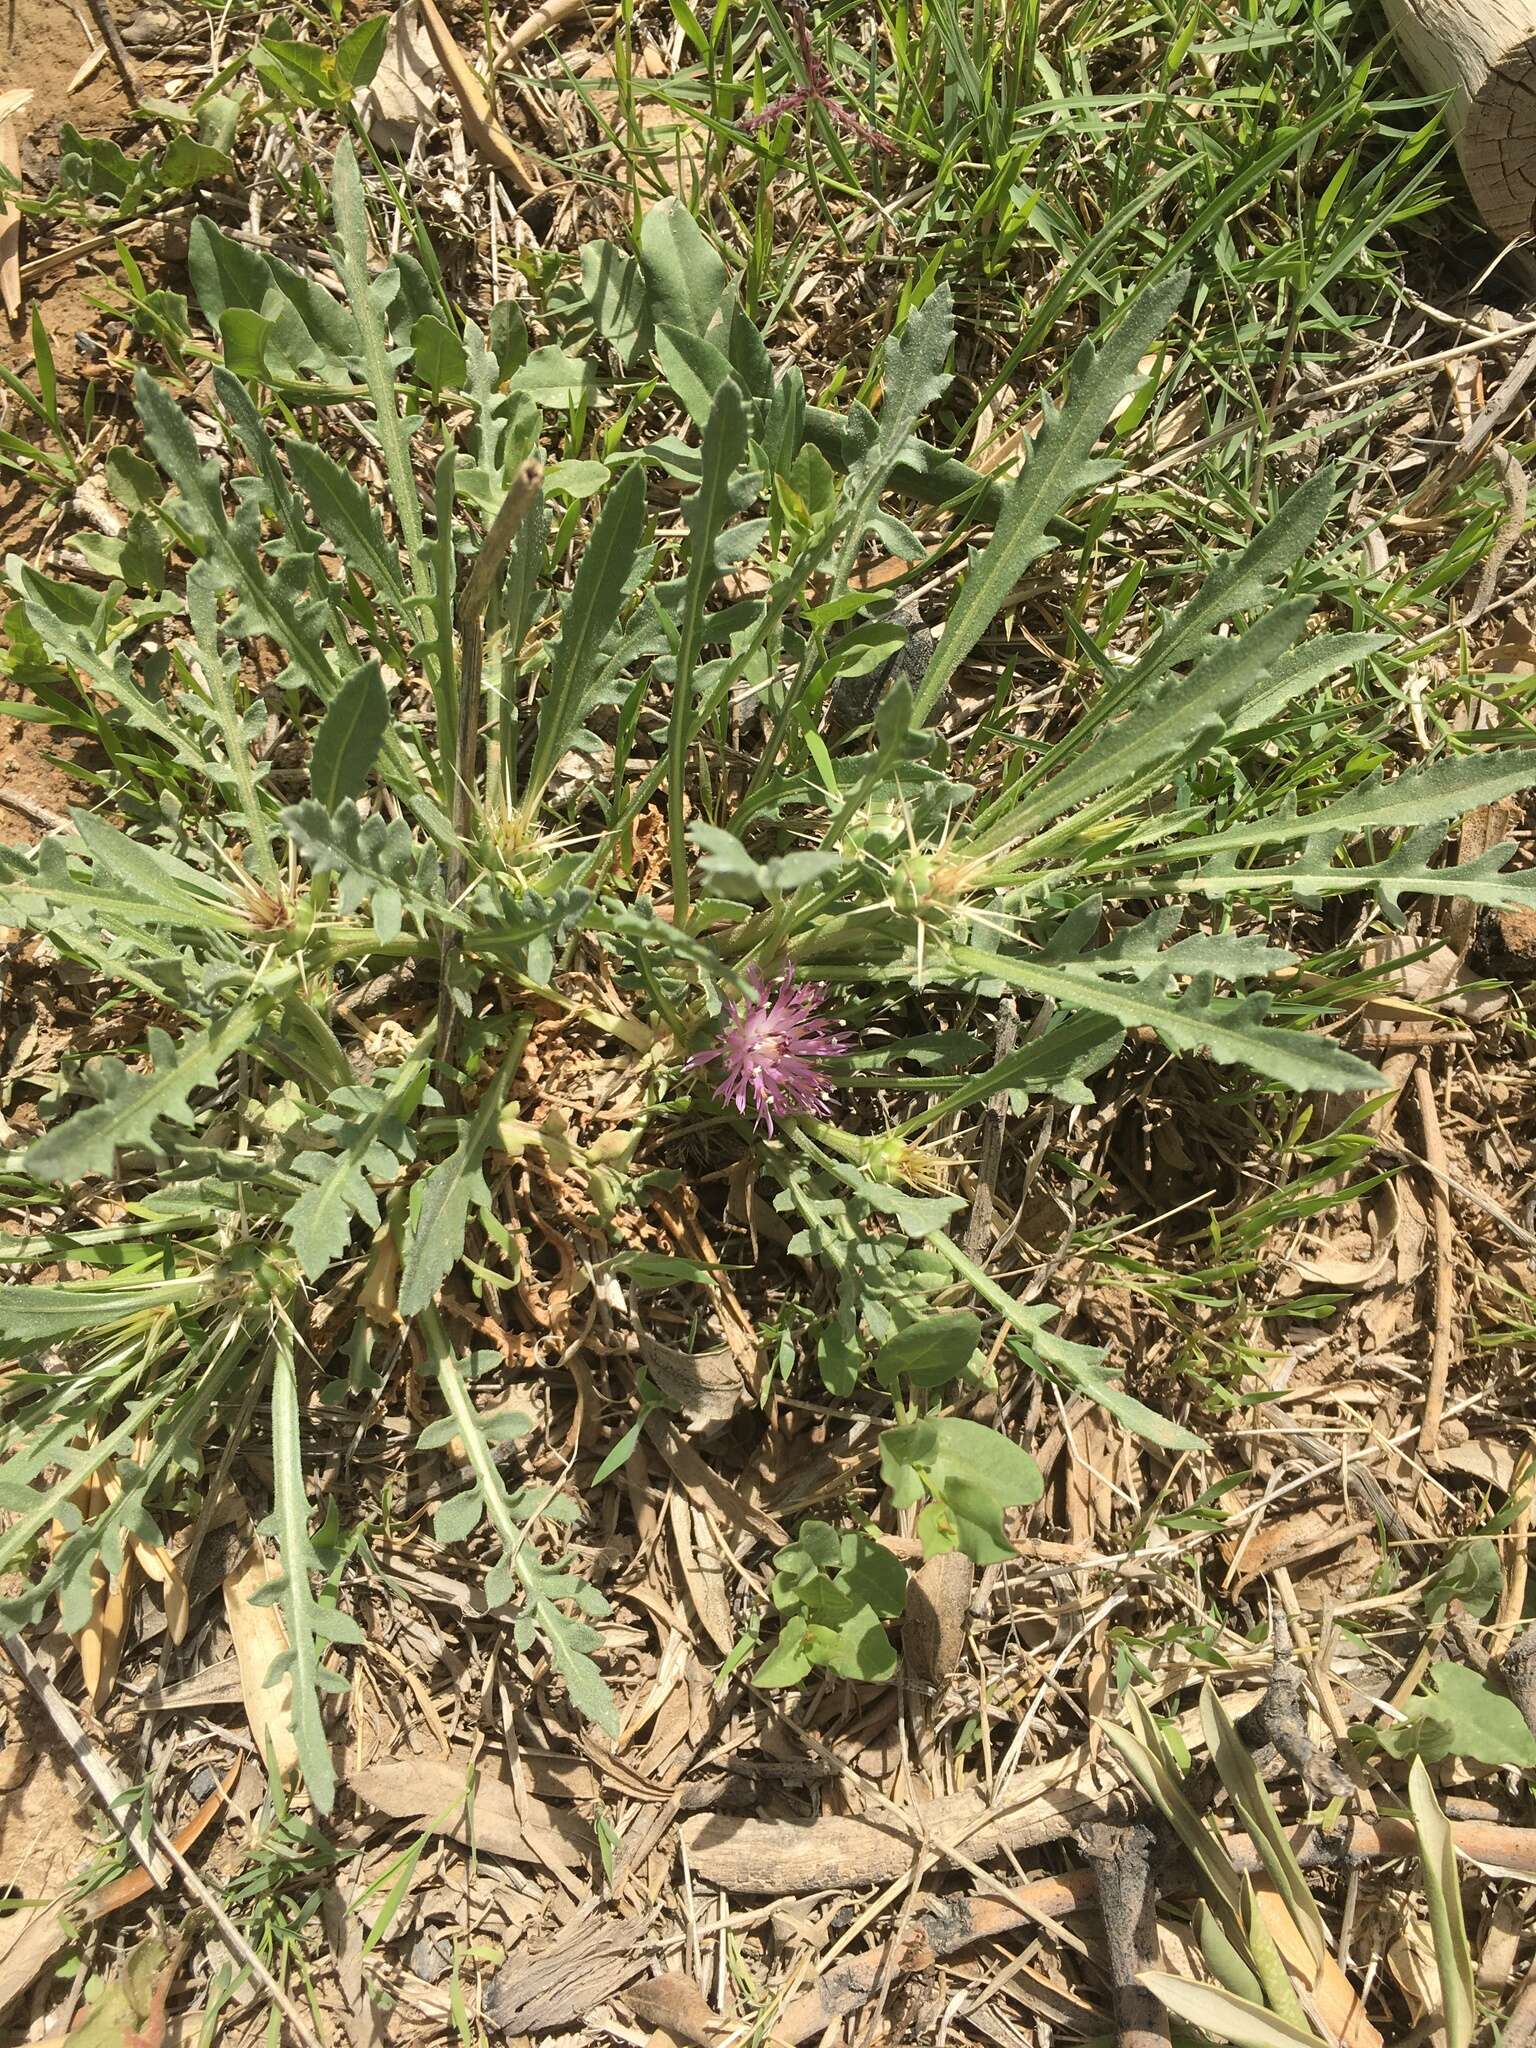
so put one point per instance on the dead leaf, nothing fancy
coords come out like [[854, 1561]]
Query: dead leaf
[[1332, 1999], [11, 104], [480, 122], [674, 2005], [701, 1482], [432, 1790], [39, 1936], [87, 71], [381, 1282], [1411, 1959], [934, 1624], [402, 96], [102, 1640], [1487, 1458], [1285, 1541], [702, 1569], [1357, 1258], [260, 1639]]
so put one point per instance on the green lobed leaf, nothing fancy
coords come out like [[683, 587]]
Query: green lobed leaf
[[134, 1105], [568, 1639], [52, 611], [339, 1188], [374, 861], [436, 1240], [1230, 1030]]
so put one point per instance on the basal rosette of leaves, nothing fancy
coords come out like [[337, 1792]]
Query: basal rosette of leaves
[[423, 818]]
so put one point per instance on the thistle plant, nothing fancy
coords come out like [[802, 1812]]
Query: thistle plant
[[296, 1191]]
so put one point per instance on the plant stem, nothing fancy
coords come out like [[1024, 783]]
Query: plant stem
[[470, 615]]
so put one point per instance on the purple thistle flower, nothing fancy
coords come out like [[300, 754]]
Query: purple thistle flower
[[771, 1045]]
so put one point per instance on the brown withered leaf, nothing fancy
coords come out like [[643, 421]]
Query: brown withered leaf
[[260, 1639], [496, 1819]]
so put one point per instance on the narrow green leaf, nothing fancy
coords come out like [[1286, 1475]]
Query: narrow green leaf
[[1182, 716], [1223, 2015], [1424, 795], [309, 1623], [1078, 1364], [1059, 468], [33, 1317], [706, 512], [1239, 583], [351, 215], [203, 611], [915, 377], [1146, 1754], [568, 1641], [590, 616], [1256, 1809], [1442, 1890]]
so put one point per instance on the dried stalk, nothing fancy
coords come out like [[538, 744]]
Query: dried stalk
[[1121, 1854]]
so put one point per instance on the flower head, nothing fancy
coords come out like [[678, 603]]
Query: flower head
[[771, 1045]]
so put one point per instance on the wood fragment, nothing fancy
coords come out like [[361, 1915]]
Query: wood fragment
[[1516, 1566], [1121, 1854], [1444, 1229], [539, 24], [586, 1965], [1518, 1671], [1483, 53], [101, 14], [485, 131]]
